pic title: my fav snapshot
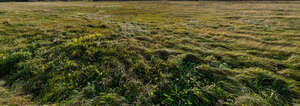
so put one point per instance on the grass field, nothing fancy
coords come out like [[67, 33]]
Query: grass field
[[151, 53]]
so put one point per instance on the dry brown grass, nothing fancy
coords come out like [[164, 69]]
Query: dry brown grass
[[13, 98]]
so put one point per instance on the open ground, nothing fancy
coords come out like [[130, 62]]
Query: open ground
[[151, 53]]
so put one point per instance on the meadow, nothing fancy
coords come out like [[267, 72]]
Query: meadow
[[150, 53]]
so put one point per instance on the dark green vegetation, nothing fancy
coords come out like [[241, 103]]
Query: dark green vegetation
[[173, 53]]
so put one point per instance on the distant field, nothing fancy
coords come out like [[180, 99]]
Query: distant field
[[151, 53]]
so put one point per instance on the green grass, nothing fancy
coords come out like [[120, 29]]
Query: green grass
[[152, 53]]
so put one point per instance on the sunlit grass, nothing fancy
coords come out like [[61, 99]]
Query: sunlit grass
[[147, 53]]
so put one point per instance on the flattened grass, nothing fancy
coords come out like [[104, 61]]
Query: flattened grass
[[146, 53]]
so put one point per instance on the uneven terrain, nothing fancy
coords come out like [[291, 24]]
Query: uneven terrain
[[151, 53]]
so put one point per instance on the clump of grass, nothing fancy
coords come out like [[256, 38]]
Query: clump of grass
[[6, 22]]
